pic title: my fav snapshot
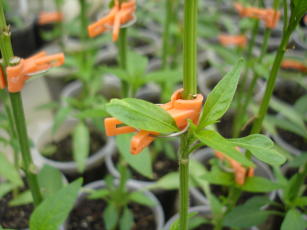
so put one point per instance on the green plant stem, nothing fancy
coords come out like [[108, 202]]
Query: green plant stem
[[18, 113], [166, 32], [271, 83], [184, 182], [190, 89], [190, 49], [246, 100], [122, 51], [60, 25]]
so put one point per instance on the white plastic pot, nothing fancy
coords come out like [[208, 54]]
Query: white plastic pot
[[45, 137], [261, 170], [156, 209]]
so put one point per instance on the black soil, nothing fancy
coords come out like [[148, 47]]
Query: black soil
[[14, 217], [289, 91], [293, 139], [64, 147], [88, 216]]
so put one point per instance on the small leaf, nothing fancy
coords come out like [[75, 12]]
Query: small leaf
[[110, 217], [127, 220], [140, 162], [22, 199], [98, 194], [81, 145], [8, 171], [50, 180], [218, 177], [293, 221], [259, 184], [142, 115], [215, 141], [6, 187], [169, 181], [60, 117], [53, 211], [261, 147], [141, 198], [220, 98]]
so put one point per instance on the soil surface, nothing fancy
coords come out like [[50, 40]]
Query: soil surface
[[88, 216], [64, 147], [293, 139], [289, 91], [14, 217]]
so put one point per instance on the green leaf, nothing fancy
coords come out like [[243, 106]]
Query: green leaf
[[259, 184], [261, 147], [92, 113], [141, 198], [50, 180], [298, 161], [288, 112], [162, 76], [81, 145], [175, 224], [136, 65], [142, 115], [22, 199], [53, 211], [140, 162], [294, 220], [110, 217], [244, 216], [168, 182], [8, 171], [220, 98], [218, 177], [215, 141], [6, 187], [127, 220], [60, 117], [98, 194]]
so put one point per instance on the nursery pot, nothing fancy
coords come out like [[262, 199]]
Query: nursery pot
[[201, 210], [204, 155], [70, 167], [144, 42], [298, 37], [156, 209]]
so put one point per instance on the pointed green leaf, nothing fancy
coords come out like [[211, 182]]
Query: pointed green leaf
[[140, 162], [53, 211], [8, 171], [110, 217], [261, 147], [220, 98], [81, 145], [126, 221], [215, 141], [259, 184], [293, 221], [142, 115], [141, 198], [22, 199]]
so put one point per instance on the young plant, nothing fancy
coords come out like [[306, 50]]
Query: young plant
[[117, 214]]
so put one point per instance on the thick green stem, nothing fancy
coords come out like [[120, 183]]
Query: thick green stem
[[184, 182], [242, 109], [18, 113], [166, 32], [270, 84], [190, 49]]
